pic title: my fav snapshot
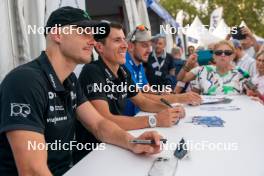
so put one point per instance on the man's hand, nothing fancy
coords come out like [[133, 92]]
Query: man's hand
[[246, 31], [147, 149], [250, 92], [170, 116], [190, 98]]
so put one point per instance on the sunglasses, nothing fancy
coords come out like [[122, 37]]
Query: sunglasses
[[225, 52], [139, 28]]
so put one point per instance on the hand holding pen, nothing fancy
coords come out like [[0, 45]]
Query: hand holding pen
[[179, 109]]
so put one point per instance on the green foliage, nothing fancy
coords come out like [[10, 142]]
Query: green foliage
[[251, 11]]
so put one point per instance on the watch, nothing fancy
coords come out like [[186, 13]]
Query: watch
[[152, 121]]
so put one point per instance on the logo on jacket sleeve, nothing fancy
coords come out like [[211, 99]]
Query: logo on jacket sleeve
[[20, 109]]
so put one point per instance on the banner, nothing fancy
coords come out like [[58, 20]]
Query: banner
[[159, 10], [216, 16], [181, 15]]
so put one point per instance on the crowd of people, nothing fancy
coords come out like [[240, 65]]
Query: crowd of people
[[234, 69], [44, 101]]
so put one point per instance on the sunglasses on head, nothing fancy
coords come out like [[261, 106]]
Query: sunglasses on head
[[225, 52], [139, 28], [142, 28]]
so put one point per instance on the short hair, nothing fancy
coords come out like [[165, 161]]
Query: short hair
[[175, 50], [191, 46], [260, 54], [112, 24], [225, 42], [158, 36]]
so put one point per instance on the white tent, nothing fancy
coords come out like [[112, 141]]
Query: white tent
[[136, 13], [143, 13], [131, 14], [18, 45], [198, 35], [8, 49], [222, 30], [194, 32], [52, 5]]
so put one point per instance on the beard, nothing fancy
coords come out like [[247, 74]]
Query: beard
[[138, 58]]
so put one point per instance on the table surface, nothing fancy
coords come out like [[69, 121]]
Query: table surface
[[242, 133]]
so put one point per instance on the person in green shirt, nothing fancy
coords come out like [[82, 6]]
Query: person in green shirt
[[220, 79]]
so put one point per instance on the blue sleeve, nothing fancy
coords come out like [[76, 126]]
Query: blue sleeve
[[144, 77]]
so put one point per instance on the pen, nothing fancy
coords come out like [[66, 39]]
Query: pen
[[143, 141], [169, 105], [166, 102]]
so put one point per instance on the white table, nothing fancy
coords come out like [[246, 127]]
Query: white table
[[244, 128]]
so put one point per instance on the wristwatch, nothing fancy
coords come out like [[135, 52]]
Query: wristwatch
[[152, 121]]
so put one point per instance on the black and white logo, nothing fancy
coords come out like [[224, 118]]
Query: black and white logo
[[108, 81], [124, 95], [52, 108], [90, 88], [20, 109], [111, 96], [73, 95], [51, 95]]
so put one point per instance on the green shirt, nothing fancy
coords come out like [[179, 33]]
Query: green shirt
[[210, 82]]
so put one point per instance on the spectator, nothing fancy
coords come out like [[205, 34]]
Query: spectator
[[178, 61], [243, 60], [190, 50], [160, 64], [190, 64], [223, 78], [258, 79], [249, 44]]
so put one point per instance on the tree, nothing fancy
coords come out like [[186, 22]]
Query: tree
[[252, 12]]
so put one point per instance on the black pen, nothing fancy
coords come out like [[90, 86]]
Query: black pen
[[144, 141], [169, 105], [166, 102]]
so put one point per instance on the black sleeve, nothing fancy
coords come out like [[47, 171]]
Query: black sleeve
[[91, 79], [23, 102], [81, 98]]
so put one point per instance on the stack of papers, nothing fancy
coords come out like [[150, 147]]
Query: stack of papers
[[220, 108], [209, 121], [215, 100]]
